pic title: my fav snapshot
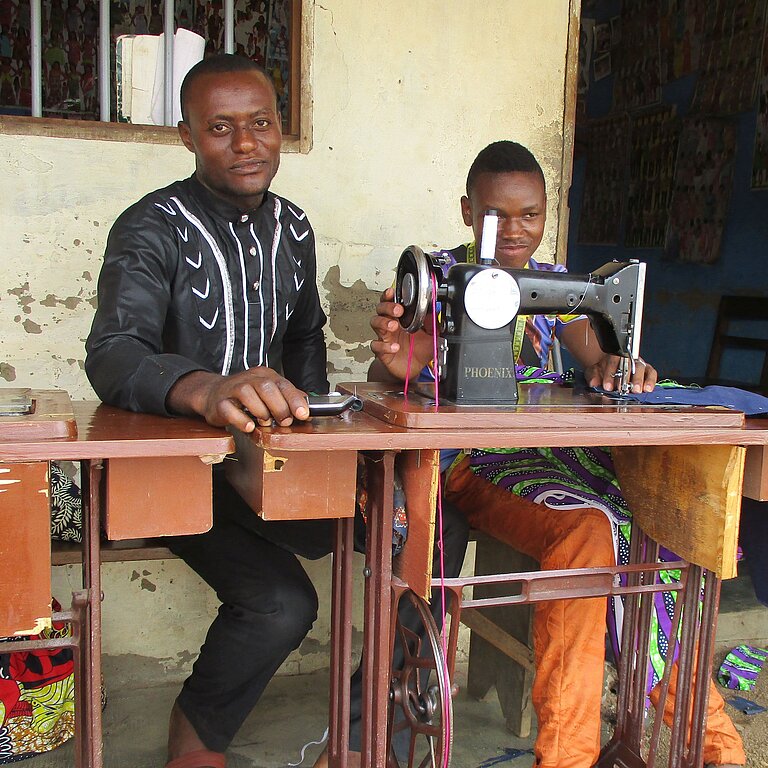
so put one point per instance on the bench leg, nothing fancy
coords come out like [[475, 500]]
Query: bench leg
[[489, 666]]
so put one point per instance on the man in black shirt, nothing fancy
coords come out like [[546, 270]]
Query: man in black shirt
[[208, 306]]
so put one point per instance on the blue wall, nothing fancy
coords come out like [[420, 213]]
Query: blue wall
[[682, 298]]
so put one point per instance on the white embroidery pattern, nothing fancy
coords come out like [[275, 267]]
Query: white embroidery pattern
[[167, 208], [226, 285], [203, 294], [212, 323], [300, 216], [260, 295], [296, 236], [195, 264], [244, 288], [273, 261]]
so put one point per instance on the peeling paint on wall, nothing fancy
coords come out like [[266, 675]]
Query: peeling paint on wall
[[7, 372], [361, 353], [349, 306], [331, 368], [71, 302]]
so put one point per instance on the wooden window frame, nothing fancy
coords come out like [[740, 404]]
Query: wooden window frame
[[302, 25]]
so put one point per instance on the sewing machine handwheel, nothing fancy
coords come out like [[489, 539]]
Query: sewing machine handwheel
[[413, 288], [420, 720]]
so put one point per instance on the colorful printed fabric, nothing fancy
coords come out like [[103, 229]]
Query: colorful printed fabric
[[741, 667], [36, 697], [575, 478], [400, 514], [531, 374], [66, 506]]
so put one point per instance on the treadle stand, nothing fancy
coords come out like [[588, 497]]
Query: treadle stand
[[625, 748]]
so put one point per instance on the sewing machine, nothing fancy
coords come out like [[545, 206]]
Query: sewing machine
[[480, 302]]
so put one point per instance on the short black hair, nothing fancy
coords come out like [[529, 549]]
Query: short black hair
[[503, 157], [219, 64]]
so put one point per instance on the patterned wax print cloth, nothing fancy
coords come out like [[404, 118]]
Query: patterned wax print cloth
[[741, 667], [37, 710], [399, 513], [66, 506]]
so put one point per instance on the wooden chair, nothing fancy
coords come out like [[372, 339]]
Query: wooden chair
[[500, 649], [741, 327]]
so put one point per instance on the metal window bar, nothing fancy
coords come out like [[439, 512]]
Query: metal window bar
[[105, 49], [168, 21], [36, 54]]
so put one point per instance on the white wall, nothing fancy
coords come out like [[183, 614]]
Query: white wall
[[405, 93]]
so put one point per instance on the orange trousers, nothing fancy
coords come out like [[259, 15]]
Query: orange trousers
[[569, 635]]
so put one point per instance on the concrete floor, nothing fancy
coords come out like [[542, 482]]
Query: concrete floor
[[293, 712]]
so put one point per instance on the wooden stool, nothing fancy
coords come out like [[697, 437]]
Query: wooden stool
[[500, 645]]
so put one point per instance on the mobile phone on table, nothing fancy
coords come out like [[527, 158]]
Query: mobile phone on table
[[333, 404]]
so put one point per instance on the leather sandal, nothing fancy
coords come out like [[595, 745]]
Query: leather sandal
[[200, 758]]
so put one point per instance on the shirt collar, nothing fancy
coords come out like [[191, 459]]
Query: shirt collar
[[220, 207]]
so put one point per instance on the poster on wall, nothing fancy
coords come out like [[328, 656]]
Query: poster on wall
[[681, 32], [603, 204], [702, 189], [760, 156], [733, 41], [637, 75], [653, 151], [586, 42]]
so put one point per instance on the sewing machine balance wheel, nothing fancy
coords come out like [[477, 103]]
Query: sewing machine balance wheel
[[420, 719], [413, 287]]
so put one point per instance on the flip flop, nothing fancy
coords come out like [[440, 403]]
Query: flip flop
[[200, 758]]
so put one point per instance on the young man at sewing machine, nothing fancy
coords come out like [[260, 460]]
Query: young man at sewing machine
[[562, 507]]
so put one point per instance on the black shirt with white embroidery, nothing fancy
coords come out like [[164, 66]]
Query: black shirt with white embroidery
[[189, 282]]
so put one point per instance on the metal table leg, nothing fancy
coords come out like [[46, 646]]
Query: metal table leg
[[341, 643], [91, 648], [378, 600]]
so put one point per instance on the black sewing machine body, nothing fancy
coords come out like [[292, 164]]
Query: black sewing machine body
[[479, 306]]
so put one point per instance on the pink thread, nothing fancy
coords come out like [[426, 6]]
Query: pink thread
[[408, 365], [435, 365], [443, 641], [443, 614]]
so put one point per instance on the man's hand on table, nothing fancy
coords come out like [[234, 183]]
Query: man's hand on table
[[603, 374], [258, 395]]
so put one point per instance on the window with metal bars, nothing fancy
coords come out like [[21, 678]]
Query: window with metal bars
[[58, 57]]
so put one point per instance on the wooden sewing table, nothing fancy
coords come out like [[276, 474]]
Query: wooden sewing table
[[133, 469], [680, 468], [309, 471]]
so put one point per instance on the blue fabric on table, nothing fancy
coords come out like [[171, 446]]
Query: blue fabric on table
[[750, 403]]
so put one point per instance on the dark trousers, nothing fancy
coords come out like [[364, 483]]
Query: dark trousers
[[268, 605]]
